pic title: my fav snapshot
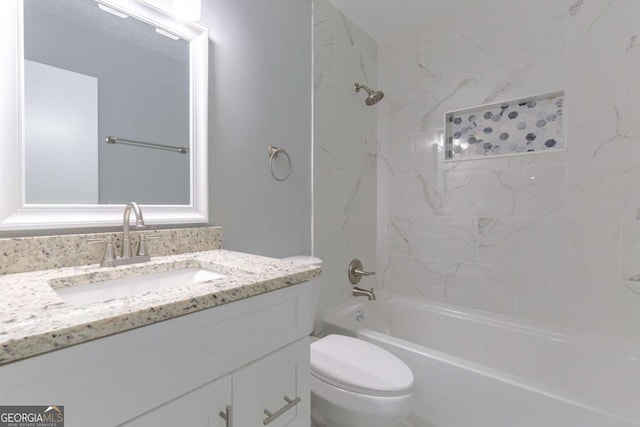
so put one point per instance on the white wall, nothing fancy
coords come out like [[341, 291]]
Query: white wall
[[552, 237], [260, 95], [345, 143]]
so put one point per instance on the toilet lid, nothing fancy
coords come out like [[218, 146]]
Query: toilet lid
[[359, 366]]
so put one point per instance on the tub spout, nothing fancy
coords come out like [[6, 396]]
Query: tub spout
[[359, 292]]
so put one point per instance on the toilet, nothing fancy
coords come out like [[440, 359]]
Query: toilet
[[354, 383]]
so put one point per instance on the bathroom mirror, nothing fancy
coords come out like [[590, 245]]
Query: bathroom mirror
[[104, 102]]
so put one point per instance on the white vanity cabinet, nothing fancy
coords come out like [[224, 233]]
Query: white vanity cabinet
[[240, 399], [249, 354]]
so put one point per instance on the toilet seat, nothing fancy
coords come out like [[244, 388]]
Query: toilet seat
[[358, 366]]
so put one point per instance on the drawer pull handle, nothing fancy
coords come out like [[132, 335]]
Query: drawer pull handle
[[226, 415], [290, 404]]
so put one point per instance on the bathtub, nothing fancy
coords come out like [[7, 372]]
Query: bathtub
[[483, 370]]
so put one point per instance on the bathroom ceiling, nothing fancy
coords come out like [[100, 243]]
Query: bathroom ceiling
[[380, 18]]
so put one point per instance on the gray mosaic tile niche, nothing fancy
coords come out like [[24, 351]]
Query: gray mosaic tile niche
[[527, 125]]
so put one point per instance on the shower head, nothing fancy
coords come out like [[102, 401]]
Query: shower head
[[374, 96]]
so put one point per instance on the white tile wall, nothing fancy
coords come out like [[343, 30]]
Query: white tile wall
[[509, 43], [411, 195], [587, 247], [470, 284], [595, 73], [604, 189], [345, 151], [451, 238], [592, 22], [602, 306], [551, 237], [536, 191]]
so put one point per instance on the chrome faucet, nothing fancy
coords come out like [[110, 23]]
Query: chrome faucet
[[359, 292], [109, 259], [126, 241]]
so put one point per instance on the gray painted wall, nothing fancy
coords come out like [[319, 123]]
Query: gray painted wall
[[153, 105], [260, 95]]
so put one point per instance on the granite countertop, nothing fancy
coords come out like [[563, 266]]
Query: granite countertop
[[35, 320]]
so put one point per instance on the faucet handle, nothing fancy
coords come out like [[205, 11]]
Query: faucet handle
[[142, 246], [109, 251], [356, 272]]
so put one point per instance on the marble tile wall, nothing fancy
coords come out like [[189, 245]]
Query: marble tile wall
[[553, 237], [345, 148]]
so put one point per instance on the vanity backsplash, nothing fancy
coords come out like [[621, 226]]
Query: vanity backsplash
[[22, 254]]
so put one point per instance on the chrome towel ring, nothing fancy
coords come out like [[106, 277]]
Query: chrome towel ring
[[273, 154]]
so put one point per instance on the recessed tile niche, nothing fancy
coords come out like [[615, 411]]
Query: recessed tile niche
[[522, 126]]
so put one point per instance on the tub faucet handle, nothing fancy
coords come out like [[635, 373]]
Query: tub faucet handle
[[356, 272]]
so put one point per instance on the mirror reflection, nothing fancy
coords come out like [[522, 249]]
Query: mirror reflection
[[92, 73]]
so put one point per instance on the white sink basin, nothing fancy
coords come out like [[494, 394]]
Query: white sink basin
[[135, 285]]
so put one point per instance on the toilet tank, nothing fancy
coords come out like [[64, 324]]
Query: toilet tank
[[315, 285]]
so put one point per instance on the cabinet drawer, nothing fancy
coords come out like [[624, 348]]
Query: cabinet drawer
[[265, 383], [199, 408]]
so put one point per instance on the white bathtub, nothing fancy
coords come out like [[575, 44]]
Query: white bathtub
[[474, 369]]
